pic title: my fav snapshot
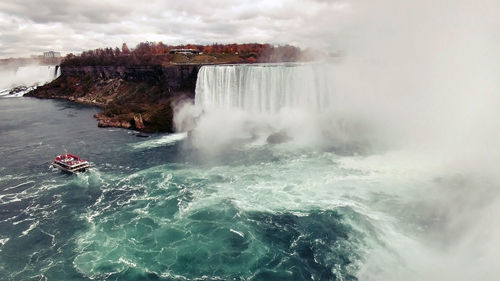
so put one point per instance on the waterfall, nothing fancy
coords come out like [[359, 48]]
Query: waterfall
[[36, 74], [57, 71], [262, 103], [265, 88], [17, 82]]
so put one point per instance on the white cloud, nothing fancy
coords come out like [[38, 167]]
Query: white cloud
[[32, 26]]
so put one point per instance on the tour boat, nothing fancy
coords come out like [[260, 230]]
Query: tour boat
[[70, 163]]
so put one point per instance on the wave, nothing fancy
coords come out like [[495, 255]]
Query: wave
[[169, 139]]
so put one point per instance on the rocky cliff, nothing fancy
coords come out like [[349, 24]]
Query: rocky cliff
[[135, 97]]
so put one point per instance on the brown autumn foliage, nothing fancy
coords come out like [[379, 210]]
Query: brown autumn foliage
[[152, 53]]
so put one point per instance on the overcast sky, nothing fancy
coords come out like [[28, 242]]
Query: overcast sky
[[33, 26]]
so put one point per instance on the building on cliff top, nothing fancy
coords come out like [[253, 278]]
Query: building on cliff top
[[184, 51], [51, 54]]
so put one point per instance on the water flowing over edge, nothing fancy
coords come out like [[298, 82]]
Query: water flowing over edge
[[389, 215], [16, 83], [265, 88]]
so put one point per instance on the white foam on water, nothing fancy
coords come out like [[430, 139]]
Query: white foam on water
[[126, 262], [18, 185], [3, 241], [28, 77], [237, 232], [30, 228], [169, 139], [17, 92]]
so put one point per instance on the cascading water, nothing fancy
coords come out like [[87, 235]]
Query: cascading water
[[265, 88], [167, 209], [422, 76], [265, 102], [16, 83], [57, 71], [411, 208]]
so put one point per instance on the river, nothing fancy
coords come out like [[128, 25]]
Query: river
[[331, 202]]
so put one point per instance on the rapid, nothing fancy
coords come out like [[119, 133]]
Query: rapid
[[343, 191], [379, 164]]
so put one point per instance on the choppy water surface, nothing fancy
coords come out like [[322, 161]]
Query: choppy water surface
[[158, 209]]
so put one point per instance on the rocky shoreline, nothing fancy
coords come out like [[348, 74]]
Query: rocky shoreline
[[132, 97]]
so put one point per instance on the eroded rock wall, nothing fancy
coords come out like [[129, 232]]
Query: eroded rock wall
[[132, 97]]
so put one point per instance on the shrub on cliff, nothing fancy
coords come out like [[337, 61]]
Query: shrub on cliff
[[151, 53]]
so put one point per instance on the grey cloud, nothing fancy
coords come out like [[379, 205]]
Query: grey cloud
[[70, 26], [46, 11]]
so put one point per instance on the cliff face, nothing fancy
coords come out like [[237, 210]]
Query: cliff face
[[176, 78], [135, 97]]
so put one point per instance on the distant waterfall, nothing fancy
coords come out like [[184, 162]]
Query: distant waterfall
[[17, 82], [37, 74], [57, 71], [265, 88]]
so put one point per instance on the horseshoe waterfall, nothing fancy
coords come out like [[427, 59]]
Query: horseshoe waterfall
[[305, 171]]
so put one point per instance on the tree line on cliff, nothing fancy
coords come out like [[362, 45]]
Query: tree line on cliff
[[152, 53]]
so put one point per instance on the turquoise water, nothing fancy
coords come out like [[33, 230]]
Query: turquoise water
[[150, 209], [158, 209]]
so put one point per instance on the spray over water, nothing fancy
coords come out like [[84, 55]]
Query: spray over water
[[382, 166], [417, 94], [20, 80]]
